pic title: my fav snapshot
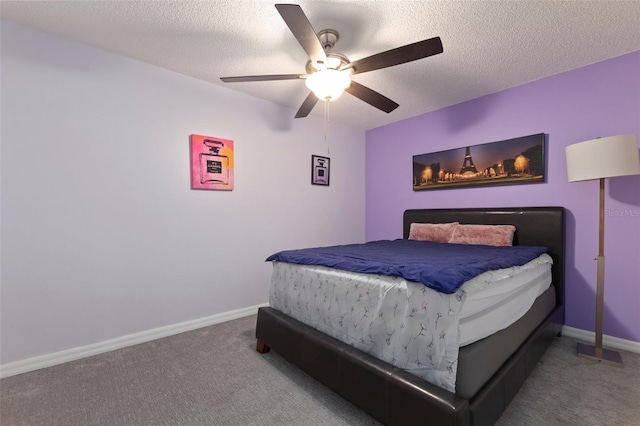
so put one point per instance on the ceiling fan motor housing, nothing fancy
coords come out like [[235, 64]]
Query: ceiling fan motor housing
[[328, 39], [335, 61]]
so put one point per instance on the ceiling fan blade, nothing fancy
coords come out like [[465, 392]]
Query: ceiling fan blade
[[307, 106], [399, 55], [262, 78], [301, 28], [371, 97]]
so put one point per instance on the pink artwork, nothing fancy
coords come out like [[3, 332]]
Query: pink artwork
[[211, 163]]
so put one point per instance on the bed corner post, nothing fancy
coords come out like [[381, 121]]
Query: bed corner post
[[261, 347]]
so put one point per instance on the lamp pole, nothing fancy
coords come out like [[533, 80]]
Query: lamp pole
[[597, 352], [599, 159]]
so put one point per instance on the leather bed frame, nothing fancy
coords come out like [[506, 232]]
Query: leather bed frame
[[395, 397]]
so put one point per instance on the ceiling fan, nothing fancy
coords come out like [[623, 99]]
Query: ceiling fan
[[328, 73]]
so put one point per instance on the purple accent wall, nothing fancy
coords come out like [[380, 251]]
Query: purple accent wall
[[602, 99]]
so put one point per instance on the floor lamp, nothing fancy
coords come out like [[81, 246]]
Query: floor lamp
[[599, 159]]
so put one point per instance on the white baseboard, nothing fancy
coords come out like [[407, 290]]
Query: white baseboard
[[35, 363], [609, 341], [48, 360]]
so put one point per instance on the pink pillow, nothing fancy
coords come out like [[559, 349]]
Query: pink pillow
[[488, 235], [435, 232]]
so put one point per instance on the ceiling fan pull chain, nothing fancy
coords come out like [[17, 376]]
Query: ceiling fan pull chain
[[326, 124]]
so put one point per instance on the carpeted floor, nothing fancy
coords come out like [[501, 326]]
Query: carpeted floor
[[214, 376]]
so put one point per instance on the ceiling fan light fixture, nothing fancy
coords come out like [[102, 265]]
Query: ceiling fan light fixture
[[328, 74], [328, 84]]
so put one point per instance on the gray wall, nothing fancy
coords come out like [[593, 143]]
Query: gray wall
[[102, 236]]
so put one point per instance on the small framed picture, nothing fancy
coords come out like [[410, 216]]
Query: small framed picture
[[211, 163], [320, 170]]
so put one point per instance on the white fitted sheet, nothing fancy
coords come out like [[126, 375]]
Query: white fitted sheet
[[496, 299], [401, 322]]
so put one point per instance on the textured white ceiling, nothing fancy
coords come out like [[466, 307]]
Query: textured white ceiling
[[488, 45]]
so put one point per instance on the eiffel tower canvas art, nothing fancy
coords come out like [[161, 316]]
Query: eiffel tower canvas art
[[507, 162], [468, 169]]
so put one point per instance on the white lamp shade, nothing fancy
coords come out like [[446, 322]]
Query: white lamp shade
[[603, 158]]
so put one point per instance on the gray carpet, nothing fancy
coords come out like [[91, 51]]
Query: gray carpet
[[213, 376]]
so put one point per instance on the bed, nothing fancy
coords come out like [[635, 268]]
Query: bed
[[496, 366]]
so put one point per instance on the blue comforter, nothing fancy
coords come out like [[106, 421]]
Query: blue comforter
[[442, 267]]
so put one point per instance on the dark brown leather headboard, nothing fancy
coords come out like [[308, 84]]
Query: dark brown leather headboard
[[535, 226]]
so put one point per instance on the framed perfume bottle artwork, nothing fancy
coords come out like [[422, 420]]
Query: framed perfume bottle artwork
[[320, 170], [211, 163]]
